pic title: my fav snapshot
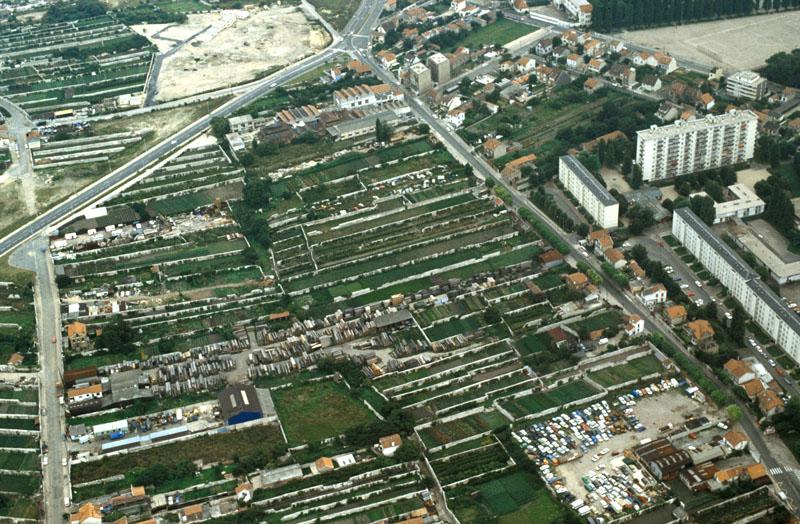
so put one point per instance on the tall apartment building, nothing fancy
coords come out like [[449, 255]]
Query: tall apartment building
[[420, 77], [591, 194], [697, 145], [440, 68], [580, 10], [746, 84], [744, 284]]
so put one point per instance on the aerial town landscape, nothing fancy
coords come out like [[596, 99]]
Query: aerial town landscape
[[385, 261]]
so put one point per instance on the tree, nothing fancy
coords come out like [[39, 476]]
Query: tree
[[640, 219], [582, 229], [117, 336], [703, 207], [220, 127], [738, 325], [734, 413], [492, 315], [382, 131]]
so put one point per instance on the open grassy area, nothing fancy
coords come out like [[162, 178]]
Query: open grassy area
[[515, 498], [501, 32], [319, 410], [542, 400]]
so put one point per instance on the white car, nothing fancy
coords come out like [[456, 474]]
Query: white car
[[684, 286], [772, 363], [698, 283]]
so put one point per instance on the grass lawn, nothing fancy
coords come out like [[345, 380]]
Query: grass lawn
[[500, 32], [544, 509], [318, 410], [516, 498], [542, 400], [337, 12]]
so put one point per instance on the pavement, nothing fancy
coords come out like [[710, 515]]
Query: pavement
[[55, 482]]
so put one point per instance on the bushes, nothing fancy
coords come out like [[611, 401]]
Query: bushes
[[547, 204], [618, 276], [545, 232]]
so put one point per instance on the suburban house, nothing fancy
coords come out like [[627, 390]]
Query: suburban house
[[739, 370], [576, 281], [770, 403], [323, 464], [544, 47], [701, 334], [634, 325], [653, 295], [87, 514], [551, 258], [736, 440], [615, 257], [512, 172], [390, 444], [494, 148], [675, 315]]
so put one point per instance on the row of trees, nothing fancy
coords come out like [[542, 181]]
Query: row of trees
[[615, 14], [784, 68]]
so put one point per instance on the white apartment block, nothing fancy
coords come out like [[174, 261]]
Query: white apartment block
[[744, 284], [580, 10], [697, 145], [746, 84], [591, 194]]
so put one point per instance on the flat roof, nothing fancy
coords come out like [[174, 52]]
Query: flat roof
[[682, 126], [589, 180], [777, 265], [720, 247]]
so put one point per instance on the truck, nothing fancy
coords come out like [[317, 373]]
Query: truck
[[116, 435]]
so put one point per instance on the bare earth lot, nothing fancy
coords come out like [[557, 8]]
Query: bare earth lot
[[255, 40], [719, 43]]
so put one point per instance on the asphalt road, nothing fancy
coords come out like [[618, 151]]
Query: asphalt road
[[788, 481], [55, 480]]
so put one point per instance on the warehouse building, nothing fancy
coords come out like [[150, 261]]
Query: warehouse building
[[239, 403]]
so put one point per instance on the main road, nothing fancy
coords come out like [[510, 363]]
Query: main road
[[787, 479]]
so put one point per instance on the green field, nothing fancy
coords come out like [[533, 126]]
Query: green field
[[461, 428], [19, 461], [501, 32], [317, 411], [634, 369], [542, 400]]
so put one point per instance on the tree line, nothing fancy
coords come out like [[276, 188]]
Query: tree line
[[615, 14]]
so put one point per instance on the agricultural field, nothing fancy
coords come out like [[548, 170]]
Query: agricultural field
[[540, 401], [385, 487], [69, 65], [193, 179], [20, 459], [318, 410], [85, 150]]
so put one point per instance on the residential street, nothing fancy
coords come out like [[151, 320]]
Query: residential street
[[33, 255]]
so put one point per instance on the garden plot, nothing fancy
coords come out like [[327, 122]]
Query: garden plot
[[195, 178], [17, 321], [20, 461], [72, 65], [384, 487], [443, 433], [462, 466], [530, 405], [86, 150]]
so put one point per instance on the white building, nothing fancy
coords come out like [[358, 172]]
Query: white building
[[744, 284], [656, 294], [591, 194], [697, 145], [744, 203], [580, 10], [365, 95], [746, 84]]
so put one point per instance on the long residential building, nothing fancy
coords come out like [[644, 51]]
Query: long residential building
[[591, 194], [365, 95], [744, 284], [697, 145]]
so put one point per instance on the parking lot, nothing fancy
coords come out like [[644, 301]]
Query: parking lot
[[616, 428], [680, 270]]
